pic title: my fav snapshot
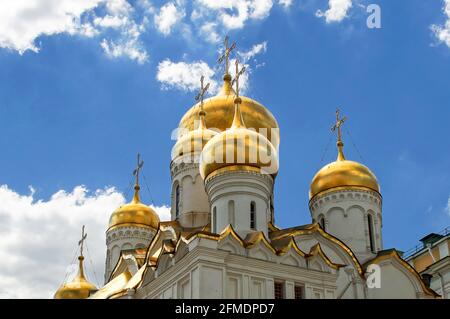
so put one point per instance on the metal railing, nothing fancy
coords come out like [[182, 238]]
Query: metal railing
[[417, 248]]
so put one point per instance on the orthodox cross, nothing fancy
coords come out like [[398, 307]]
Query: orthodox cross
[[138, 168], [226, 54], [338, 124], [238, 75], [202, 92], [81, 241]]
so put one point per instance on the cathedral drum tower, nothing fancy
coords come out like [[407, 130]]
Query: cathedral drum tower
[[345, 200], [131, 226], [190, 204], [239, 167]]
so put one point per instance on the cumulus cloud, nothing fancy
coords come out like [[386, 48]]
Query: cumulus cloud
[[255, 50], [209, 32], [39, 237], [169, 15], [117, 25], [337, 10], [442, 33], [232, 14], [185, 76], [22, 23]]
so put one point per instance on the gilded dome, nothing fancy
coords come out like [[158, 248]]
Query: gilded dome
[[220, 111], [134, 214], [194, 141], [250, 150], [78, 288], [343, 173]]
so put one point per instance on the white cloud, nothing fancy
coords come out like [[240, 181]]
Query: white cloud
[[22, 21], [39, 237], [337, 10], [109, 21], [168, 16], [127, 48], [208, 32], [233, 14], [442, 33], [255, 50], [185, 76]]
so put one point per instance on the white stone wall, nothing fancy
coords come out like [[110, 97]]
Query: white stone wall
[[123, 238], [240, 189], [194, 205], [346, 217], [212, 273]]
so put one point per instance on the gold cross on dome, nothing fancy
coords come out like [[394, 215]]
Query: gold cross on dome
[[138, 168], [338, 124], [81, 241], [237, 76], [226, 54], [202, 92]]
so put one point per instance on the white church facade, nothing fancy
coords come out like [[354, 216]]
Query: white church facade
[[222, 240]]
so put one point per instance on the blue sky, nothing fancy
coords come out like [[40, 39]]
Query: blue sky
[[70, 114]]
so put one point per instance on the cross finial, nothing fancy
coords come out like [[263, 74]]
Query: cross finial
[[138, 168], [202, 92], [338, 124], [81, 241], [237, 76], [337, 127], [226, 54]]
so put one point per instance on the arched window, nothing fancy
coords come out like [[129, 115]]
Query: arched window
[[214, 220], [371, 234], [252, 215], [177, 200], [231, 212], [322, 222]]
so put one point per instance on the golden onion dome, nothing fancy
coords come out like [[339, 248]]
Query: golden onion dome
[[238, 148], [194, 141], [134, 214], [343, 174], [78, 288], [220, 112]]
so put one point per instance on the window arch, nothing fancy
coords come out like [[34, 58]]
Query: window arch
[[322, 222], [252, 215], [214, 220], [231, 212], [371, 233], [177, 200]]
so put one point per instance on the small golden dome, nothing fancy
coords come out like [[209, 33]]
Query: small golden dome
[[343, 173], [247, 150], [194, 141], [78, 288], [134, 214], [220, 111]]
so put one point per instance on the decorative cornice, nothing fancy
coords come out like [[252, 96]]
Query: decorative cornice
[[321, 198]]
